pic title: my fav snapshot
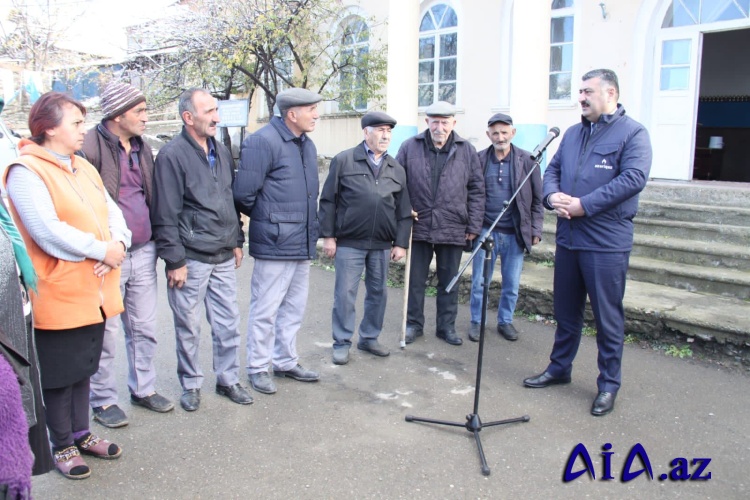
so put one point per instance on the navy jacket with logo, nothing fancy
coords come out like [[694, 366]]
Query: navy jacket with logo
[[606, 170]]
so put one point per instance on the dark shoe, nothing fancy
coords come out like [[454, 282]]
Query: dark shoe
[[603, 404], [191, 399], [98, 447], [474, 332], [373, 347], [111, 416], [69, 463], [412, 332], [155, 402], [236, 393], [545, 379], [340, 355], [298, 373], [262, 382], [450, 337], [508, 331]]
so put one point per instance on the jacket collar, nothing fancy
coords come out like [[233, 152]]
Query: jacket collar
[[113, 139], [30, 148], [284, 132], [195, 145], [360, 154], [606, 119]]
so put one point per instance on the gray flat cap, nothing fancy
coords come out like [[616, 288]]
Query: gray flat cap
[[441, 108], [374, 118], [499, 118], [290, 98]]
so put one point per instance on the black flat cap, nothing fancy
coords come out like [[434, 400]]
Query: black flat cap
[[290, 98], [441, 108], [375, 118], [499, 118]]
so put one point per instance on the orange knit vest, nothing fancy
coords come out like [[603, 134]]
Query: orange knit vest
[[69, 293]]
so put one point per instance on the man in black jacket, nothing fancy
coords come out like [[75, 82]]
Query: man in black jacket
[[126, 165], [365, 218], [198, 234]]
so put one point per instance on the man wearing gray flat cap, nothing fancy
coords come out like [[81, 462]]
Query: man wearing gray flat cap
[[446, 188], [505, 167], [277, 187], [365, 219]]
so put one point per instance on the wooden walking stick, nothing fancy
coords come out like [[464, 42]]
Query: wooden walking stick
[[407, 271]]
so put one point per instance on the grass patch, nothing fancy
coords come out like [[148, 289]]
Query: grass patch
[[679, 352], [430, 291]]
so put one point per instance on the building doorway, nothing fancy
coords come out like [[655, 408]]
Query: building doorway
[[722, 130]]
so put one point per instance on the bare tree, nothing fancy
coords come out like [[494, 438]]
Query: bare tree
[[237, 47]]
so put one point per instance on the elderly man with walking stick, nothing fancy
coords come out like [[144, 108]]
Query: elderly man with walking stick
[[365, 220]]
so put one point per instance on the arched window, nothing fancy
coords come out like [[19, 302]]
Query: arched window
[[355, 46], [689, 12], [438, 55], [561, 50]]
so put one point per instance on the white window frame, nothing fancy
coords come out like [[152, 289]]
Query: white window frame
[[436, 33]]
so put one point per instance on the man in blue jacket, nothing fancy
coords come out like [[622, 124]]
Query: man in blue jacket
[[277, 187], [365, 218], [592, 183]]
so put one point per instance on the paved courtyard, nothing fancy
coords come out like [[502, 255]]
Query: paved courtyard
[[346, 437]]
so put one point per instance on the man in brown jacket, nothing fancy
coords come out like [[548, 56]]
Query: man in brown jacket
[[125, 162]]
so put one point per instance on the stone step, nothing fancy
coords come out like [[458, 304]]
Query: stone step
[[651, 308], [668, 229], [706, 193], [733, 235], [706, 214], [684, 251], [730, 282], [724, 282]]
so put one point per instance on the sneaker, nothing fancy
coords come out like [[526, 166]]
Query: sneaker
[[98, 447], [155, 402], [69, 463], [262, 383], [298, 373], [110, 416]]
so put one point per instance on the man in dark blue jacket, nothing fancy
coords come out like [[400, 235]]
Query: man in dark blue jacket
[[365, 218], [592, 183], [277, 187]]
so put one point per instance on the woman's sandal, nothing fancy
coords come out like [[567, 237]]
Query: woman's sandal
[[69, 463], [98, 447]]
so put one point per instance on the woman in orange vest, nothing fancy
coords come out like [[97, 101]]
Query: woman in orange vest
[[76, 237]]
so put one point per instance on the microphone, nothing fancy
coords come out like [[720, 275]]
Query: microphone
[[537, 153]]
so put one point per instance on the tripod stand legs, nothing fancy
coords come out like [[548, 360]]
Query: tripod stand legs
[[474, 425], [473, 422]]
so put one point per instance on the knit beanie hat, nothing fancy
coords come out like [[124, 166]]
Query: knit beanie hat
[[118, 97]]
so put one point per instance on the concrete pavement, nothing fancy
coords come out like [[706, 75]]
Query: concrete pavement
[[345, 436]]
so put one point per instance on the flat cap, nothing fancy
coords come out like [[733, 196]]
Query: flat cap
[[290, 98], [499, 118], [118, 97], [374, 118], [441, 108]]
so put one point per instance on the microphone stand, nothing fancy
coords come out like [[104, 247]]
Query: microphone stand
[[473, 423]]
